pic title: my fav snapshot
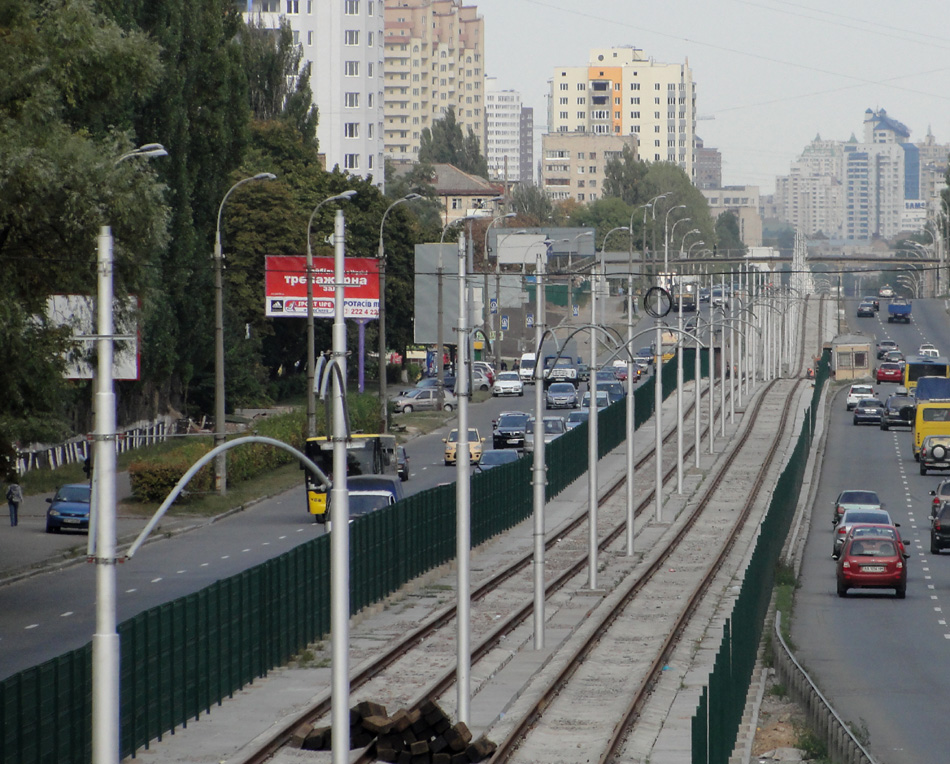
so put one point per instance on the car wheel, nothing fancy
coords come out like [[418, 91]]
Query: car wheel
[[934, 546], [50, 528], [842, 590], [854, 420], [902, 592], [447, 407], [883, 426], [923, 469], [407, 409], [448, 463]]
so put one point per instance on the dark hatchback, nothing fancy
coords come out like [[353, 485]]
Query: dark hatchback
[[898, 412], [69, 508], [865, 310], [940, 529], [508, 431]]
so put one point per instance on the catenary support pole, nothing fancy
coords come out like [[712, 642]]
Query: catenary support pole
[[538, 474], [592, 441], [463, 528], [339, 517]]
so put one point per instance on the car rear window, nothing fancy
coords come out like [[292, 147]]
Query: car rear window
[[867, 516], [859, 497], [862, 390]]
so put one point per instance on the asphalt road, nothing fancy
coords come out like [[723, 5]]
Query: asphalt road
[[884, 663], [46, 615]]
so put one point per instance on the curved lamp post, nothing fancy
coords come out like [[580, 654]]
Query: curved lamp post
[[381, 256], [311, 395], [220, 434]]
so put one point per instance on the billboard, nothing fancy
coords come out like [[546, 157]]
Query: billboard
[[78, 312], [286, 287]]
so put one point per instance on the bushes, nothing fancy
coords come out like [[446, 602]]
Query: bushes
[[155, 475]]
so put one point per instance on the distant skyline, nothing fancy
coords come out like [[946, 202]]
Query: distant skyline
[[772, 74]]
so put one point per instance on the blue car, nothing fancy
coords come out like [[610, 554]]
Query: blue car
[[69, 508]]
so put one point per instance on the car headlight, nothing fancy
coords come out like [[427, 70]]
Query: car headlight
[[54, 513]]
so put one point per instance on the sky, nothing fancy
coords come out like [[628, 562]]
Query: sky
[[769, 75]]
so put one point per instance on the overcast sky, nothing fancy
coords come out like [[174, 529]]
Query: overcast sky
[[772, 74]]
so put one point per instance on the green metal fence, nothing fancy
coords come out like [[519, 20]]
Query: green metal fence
[[715, 724], [183, 657]]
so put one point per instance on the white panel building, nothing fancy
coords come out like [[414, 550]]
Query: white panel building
[[622, 92], [343, 39], [503, 131]]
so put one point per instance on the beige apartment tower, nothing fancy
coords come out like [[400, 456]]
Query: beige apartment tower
[[434, 59], [622, 92], [573, 164]]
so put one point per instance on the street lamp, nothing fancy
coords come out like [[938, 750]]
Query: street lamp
[[685, 237], [311, 350], [603, 273], [220, 435], [666, 236], [652, 205], [381, 257], [440, 343], [105, 639], [488, 317]]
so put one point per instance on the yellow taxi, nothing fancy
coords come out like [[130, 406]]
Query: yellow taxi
[[474, 446]]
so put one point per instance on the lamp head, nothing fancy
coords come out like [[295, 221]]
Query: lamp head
[[412, 197], [264, 176]]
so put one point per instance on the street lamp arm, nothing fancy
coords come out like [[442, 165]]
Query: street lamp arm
[[259, 176]]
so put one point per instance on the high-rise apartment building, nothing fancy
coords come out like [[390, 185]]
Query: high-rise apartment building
[[527, 145], [503, 130], [811, 197], [435, 58], [622, 92], [344, 42], [708, 166]]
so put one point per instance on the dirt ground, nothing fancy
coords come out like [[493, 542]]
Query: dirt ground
[[780, 721]]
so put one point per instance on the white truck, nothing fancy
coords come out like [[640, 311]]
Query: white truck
[[526, 367]]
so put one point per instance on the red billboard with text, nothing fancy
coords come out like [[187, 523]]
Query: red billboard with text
[[286, 287]]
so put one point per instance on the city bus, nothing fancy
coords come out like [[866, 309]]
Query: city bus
[[366, 454], [917, 366]]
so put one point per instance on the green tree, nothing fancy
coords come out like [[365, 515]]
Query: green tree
[[532, 205], [445, 143], [278, 87], [727, 235], [72, 80], [625, 178]]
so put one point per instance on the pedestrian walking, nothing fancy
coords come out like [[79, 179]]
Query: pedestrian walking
[[14, 499]]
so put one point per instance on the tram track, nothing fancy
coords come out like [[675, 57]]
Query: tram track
[[375, 669]]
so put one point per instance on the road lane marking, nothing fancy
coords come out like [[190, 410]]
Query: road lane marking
[[225, 557], [205, 564], [31, 626], [245, 550], [281, 538], [66, 614], [129, 591], [156, 580]]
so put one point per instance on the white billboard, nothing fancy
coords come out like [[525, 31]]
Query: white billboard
[[78, 312]]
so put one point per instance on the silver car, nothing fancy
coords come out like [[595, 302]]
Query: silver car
[[508, 383], [561, 395], [424, 399], [554, 428]]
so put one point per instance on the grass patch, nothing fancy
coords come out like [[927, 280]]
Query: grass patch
[[272, 483], [814, 747], [778, 691], [785, 585]]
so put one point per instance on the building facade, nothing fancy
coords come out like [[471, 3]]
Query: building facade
[[527, 145], [743, 202], [708, 166], [574, 164], [621, 92], [344, 43], [435, 58], [811, 197], [503, 115]]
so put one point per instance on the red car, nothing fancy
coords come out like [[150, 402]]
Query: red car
[[889, 372], [620, 372], [877, 529], [872, 562]]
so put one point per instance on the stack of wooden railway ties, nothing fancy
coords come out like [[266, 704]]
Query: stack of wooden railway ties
[[424, 735]]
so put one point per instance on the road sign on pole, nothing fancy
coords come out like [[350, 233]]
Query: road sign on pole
[[504, 323], [493, 305], [575, 309], [529, 320]]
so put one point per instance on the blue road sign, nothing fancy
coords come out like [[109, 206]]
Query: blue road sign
[[504, 323], [529, 320], [493, 306], [575, 309]]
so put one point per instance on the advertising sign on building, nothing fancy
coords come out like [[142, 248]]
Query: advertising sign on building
[[286, 287]]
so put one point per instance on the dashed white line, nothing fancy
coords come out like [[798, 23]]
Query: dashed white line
[[205, 564], [156, 580], [245, 550], [31, 626], [224, 557], [266, 543], [130, 591], [281, 538], [66, 614]]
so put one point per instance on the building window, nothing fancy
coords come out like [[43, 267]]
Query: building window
[[369, 69], [351, 161], [563, 102], [581, 86], [370, 160], [351, 37], [293, 6], [563, 115], [564, 86], [351, 7], [351, 100], [369, 100], [351, 130], [309, 38], [351, 68], [369, 39]]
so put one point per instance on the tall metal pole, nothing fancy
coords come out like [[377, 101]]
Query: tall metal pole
[[732, 354], [220, 426], [630, 404], [658, 418], [712, 375], [680, 349], [722, 363], [463, 525], [105, 640], [381, 257], [538, 474], [697, 403], [593, 414], [339, 516]]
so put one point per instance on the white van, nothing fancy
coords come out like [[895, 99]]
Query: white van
[[526, 367]]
